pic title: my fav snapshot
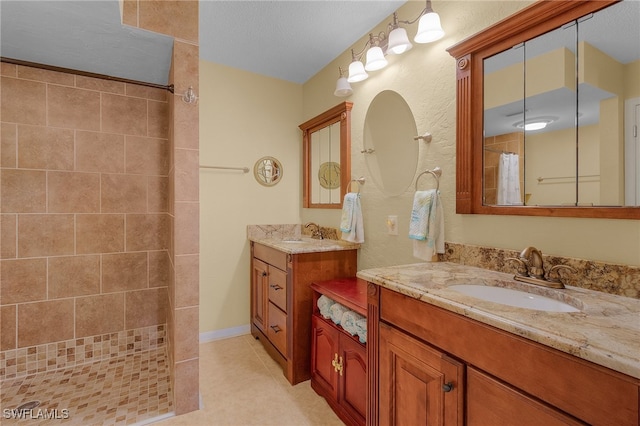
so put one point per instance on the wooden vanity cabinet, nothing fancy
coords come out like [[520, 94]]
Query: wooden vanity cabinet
[[281, 301], [339, 360], [507, 379]]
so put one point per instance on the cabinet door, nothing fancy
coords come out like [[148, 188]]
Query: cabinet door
[[413, 376], [352, 390], [324, 351], [259, 299], [491, 402]]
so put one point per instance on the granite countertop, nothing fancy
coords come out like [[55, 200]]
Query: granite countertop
[[605, 330], [304, 244]]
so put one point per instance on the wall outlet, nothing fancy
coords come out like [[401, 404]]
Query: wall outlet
[[392, 225]]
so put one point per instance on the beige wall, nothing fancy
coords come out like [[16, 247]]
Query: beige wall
[[245, 117], [85, 229], [425, 77]]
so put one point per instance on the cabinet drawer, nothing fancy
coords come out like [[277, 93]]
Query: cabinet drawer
[[278, 288], [271, 256], [277, 331]]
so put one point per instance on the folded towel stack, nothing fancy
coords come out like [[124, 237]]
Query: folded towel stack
[[361, 330], [349, 320], [351, 223], [324, 305], [426, 226], [337, 311]]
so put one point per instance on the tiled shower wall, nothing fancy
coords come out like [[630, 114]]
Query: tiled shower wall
[[85, 207]]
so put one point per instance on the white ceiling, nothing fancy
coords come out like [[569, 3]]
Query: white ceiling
[[289, 40]]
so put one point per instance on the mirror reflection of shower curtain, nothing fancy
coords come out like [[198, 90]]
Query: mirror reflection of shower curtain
[[509, 180]]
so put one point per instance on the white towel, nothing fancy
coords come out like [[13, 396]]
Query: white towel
[[361, 326], [324, 305], [426, 226], [349, 320], [509, 180], [337, 311], [351, 223]]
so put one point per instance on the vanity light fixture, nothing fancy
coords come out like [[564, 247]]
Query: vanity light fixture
[[343, 88], [396, 43]]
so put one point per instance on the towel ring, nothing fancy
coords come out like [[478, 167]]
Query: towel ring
[[437, 172], [360, 181]]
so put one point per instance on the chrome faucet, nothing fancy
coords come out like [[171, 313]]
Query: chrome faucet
[[531, 259], [317, 233]]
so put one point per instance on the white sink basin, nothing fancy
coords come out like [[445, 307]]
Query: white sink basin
[[511, 297]]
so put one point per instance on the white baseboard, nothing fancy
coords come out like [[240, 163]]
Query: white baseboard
[[210, 336]]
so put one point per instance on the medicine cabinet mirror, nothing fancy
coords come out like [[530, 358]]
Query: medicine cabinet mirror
[[572, 71], [326, 151], [391, 153]]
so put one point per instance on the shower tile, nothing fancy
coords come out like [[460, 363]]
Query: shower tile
[[130, 12], [187, 339], [23, 280], [47, 76], [124, 272], [8, 236], [158, 119], [147, 232], [42, 147], [147, 156], [186, 386], [185, 66], [44, 322], [157, 194], [9, 70], [71, 276], [145, 308], [8, 144], [23, 191], [99, 314], [99, 152], [101, 85], [187, 228], [123, 193], [175, 18], [125, 115], [7, 327], [187, 175], [23, 101], [159, 269], [145, 92], [185, 124], [45, 235], [73, 192], [187, 280], [99, 233], [73, 108]]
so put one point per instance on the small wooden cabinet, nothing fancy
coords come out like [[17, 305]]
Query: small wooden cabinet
[[281, 301], [339, 360], [431, 366]]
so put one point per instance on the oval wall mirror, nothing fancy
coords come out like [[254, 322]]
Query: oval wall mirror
[[390, 150]]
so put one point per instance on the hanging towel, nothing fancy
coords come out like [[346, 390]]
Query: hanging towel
[[351, 223], [337, 311], [426, 226], [361, 326], [324, 305], [509, 180], [349, 320]]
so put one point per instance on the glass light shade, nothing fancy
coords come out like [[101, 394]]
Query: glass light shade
[[398, 42], [343, 88], [375, 59], [356, 72], [429, 28]]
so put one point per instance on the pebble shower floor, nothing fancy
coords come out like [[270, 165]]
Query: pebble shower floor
[[120, 391]]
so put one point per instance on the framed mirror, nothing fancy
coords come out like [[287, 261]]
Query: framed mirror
[[573, 70], [326, 152]]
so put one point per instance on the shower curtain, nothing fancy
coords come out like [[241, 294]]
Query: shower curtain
[[509, 180]]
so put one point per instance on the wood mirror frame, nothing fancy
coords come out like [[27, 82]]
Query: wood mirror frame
[[530, 22], [340, 113]]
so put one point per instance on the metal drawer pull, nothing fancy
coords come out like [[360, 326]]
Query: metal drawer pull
[[337, 365], [276, 328], [275, 286], [447, 387]]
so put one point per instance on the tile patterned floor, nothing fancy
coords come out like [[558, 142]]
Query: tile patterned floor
[[120, 391], [241, 385]]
